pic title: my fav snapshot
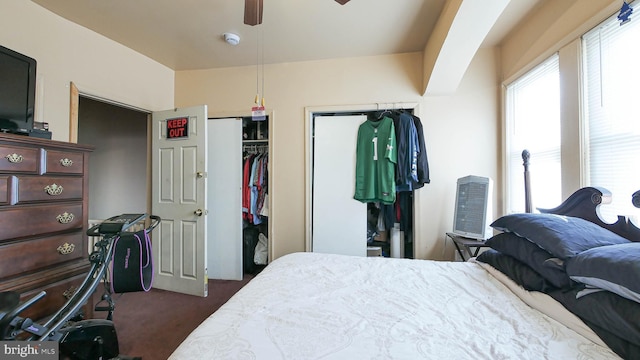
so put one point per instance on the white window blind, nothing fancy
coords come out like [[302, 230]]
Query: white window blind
[[612, 91], [533, 123]]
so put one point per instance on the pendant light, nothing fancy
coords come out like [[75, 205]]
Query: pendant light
[[257, 111]]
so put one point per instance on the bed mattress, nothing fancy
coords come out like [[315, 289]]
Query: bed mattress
[[321, 306]]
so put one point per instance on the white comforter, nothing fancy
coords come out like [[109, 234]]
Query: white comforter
[[318, 306]]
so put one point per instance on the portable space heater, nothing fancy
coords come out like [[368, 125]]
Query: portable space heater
[[473, 210]]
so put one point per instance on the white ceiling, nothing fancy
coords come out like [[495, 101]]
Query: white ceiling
[[187, 34]]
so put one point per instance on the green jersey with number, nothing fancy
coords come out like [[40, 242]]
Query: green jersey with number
[[376, 157]]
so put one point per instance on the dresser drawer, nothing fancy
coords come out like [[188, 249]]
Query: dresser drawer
[[64, 162], [19, 159], [36, 220], [57, 295], [4, 190], [37, 254], [47, 188]]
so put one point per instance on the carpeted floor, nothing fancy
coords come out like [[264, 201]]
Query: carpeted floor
[[151, 325]]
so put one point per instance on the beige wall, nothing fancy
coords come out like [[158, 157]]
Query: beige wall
[[548, 29], [67, 52], [461, 130]]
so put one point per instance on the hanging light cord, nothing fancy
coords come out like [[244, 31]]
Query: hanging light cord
[[262, 62], [257, 99], [259, 64]]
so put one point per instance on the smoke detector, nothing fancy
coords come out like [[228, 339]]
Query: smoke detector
[[231, 38]]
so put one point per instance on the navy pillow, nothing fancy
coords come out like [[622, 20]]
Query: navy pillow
[[517, 271], [562, 236], [615, 268], [532, 255]]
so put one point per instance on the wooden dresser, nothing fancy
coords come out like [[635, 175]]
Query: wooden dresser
[[43, 220]]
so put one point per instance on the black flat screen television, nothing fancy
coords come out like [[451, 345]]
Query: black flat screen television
[[17, 91]]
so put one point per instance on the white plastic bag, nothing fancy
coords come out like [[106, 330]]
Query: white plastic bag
[[260, 256]]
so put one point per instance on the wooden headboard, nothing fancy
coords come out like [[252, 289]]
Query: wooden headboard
[[584, 204]]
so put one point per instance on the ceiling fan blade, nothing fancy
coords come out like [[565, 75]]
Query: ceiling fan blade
[[253, 12], [342, 2]]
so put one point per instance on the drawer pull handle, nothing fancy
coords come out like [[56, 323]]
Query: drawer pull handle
[[66, 249], [66, 162], [69, 292], [65, 218], [53, 189], [14, 158]]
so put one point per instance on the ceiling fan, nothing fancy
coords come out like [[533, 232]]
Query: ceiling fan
[[253, 11]]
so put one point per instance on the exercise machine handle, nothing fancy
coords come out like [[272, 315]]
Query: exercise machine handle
[[7, 319], [156, 221], [116, 224]]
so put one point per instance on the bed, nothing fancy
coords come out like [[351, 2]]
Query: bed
[[518, 302]]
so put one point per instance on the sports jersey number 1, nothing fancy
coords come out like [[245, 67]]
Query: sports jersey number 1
[[375, 148]]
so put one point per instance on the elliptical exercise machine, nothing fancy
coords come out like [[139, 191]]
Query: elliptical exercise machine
[[82, 339]]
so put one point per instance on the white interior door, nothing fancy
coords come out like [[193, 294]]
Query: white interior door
[[339, 221], [179, 171], [224, 221]]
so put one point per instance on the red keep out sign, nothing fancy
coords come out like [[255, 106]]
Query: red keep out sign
[[177, 128]]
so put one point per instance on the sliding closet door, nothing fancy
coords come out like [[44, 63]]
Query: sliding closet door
[[224, 186], [339, 221]]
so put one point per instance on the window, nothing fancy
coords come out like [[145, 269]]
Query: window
[[611, 87], [533, 123]]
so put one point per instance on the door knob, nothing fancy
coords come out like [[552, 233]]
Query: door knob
[[198, 212], [199, 174]]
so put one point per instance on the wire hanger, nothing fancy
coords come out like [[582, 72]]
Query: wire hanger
[[383, 113]]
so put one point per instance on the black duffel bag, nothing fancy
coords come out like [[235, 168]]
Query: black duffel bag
[[132, 263]]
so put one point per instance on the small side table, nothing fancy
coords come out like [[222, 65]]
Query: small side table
[[470, 246]]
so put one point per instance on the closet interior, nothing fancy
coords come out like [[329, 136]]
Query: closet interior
[[389, 219], [255, 193]]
